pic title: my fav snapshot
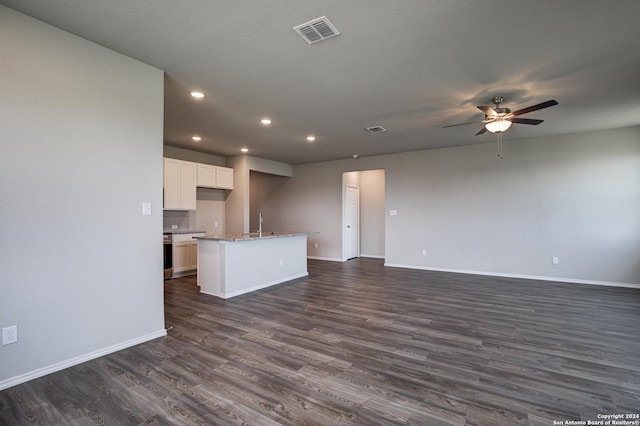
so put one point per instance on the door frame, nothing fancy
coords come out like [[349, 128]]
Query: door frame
[[344, 220]]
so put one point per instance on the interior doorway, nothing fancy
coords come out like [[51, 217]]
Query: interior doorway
[[363, 214]]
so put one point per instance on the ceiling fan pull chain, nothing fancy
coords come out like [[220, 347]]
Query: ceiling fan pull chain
[[500, 145]]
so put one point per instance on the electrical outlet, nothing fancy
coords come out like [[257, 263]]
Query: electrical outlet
[[9, 335], [554, 260], [315, 245], [424, 252], [174, 226], [281, 262]]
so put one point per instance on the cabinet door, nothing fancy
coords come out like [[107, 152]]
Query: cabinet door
[[206, 175], [224, 178], [181, 257], [188, 176], [193, 255], [171, 183]]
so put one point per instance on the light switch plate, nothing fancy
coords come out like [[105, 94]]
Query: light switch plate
[[146, 208]]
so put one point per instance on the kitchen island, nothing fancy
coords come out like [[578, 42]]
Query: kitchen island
[[235, 264]]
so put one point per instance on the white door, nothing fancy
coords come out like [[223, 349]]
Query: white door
[[353, 221]]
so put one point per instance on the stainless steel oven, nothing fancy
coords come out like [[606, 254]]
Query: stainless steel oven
[[167, 244]]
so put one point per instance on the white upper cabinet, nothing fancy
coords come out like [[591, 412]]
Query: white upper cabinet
[[179, 184], [206, 175], [224, 178], [182, 177], [188, 176], [215, 176], [171, 183]]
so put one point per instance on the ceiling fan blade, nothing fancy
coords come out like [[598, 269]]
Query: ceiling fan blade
[[481, 131], [526, 121], [488, 111], [463, 124], [532, 108]]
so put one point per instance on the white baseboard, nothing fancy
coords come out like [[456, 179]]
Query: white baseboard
[[22, 378], [526, 277], [330, 259], [257, 287]]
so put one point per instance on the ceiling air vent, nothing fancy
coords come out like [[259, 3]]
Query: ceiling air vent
[[316, 30], [376, 129]]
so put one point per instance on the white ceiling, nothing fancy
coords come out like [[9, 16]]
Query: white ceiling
[[409, 66]]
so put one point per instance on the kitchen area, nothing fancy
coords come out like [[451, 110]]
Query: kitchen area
[[194, 196], [213, 226]]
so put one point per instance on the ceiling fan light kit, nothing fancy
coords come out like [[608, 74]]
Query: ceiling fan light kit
[[498, 126]]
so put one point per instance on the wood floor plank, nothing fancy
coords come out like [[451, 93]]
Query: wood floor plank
[[360, 343]]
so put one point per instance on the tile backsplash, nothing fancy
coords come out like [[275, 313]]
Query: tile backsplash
[[184, 220], [208, 217]]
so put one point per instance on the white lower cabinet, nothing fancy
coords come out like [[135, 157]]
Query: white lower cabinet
[[185, 254]]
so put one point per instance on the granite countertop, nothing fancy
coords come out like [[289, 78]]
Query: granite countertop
[[253, 236]]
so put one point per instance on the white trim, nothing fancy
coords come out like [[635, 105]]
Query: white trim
[[255, 288], [372, 256], [23, 378], [184, 273], [526, 277], [345, 238], [330, 259]]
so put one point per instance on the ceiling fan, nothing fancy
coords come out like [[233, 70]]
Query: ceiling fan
[[499, 119]]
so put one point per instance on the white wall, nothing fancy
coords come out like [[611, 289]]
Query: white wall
[[81, 142], [263, 186], [195, 156], [210, 210], [312, 201], [237, 209], [372, 213], [575, 196]]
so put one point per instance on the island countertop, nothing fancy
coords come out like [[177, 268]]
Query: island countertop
[[252, 236], [234, 264]]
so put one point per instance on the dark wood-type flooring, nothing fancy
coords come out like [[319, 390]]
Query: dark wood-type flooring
[[358, 343]]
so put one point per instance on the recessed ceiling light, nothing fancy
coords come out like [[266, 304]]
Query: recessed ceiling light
[[266, 121], [311, 138], [197, 95], [196, 138], [244, 149]]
